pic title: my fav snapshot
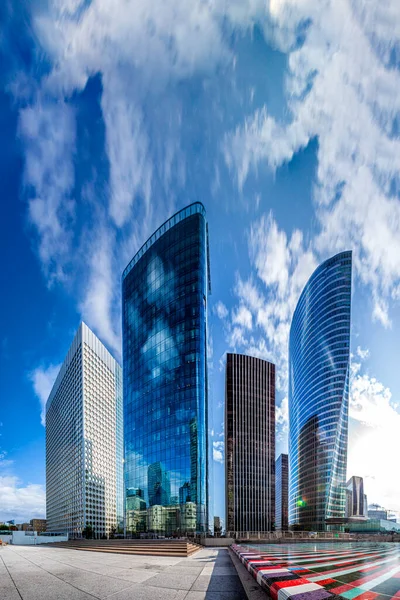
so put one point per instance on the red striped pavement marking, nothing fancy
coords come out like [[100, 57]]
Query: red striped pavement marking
[[275, 587], [367, 596]]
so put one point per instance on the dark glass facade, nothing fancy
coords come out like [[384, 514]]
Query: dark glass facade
[[281, 492], [319, 354], [249, 444], [164, 291]]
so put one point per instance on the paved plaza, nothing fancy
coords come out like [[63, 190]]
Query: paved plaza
[[47, 573], [320, 571]]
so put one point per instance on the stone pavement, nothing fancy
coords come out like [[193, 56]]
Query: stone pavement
[[46, 573]]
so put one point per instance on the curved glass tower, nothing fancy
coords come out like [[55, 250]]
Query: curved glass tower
[[164, 292], [319, 356]]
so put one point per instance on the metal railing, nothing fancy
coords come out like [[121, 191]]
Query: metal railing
[[278, 535]]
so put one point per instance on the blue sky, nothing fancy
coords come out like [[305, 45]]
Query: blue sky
[[281, 116]]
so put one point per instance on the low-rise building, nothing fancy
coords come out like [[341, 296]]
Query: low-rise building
[[217, 526], [379, 512], [373, 526], [38, 525]]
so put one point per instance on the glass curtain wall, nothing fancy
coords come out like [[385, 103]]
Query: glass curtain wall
[[319, 354], [165, 290]]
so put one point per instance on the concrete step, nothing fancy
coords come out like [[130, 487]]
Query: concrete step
[[126, 546], [130, 547], [168, 543]]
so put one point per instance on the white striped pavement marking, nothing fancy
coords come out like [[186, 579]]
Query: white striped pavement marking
[[289, 591], [266, 571], [369, 585], [359, 564], [334, 574]]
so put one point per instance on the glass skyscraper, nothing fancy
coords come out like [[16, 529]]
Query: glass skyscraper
[[164, 290], [319, 355]]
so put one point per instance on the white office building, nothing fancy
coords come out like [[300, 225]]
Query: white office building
[[84, 441]]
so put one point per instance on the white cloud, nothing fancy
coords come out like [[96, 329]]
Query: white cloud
[[210, 350], [338, 89], [222, 365], [261, 138], [139, 50], [270, 253], [160, 41], [43, 379], [220, 310], [283, 266], [282, 414], [127, 150], [4, 461], [374, 439], [370, 402], [243, 317], [218, 452], [363, 354], [102, 290], [341, 90], [236, 338], [47, 130], [21, 502]]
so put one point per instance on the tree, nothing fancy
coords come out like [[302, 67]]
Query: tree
[[88, 532]]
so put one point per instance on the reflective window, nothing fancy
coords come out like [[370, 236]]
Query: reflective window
[[165, 379], [319, 353]]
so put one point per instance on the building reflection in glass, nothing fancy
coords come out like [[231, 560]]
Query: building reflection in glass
[[158, 485], [165, 290], [319, 355], [312, 461]]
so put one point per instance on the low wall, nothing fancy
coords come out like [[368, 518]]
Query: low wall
[[215, 542], [283, 537], [6, 538], [32, 538], [305, 540], [296, 538]]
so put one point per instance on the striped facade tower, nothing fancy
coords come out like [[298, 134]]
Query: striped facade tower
[[249, 444]]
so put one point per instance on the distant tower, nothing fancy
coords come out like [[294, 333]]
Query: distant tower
[[84, 440], [319, 363], [355, 505], [249, 443], [217, 526], [365, 506], [281, 492]]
